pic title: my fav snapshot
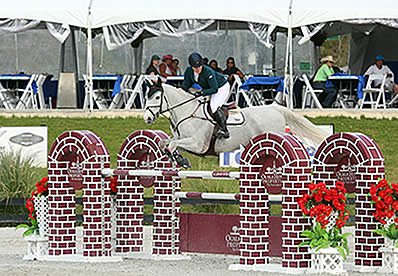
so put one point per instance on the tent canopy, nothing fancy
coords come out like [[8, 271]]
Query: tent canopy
[[314, 11]]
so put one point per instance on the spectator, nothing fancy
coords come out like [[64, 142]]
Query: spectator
[[379, 69], [153, 66], [165, 69], [328, 97], [232, 70], [214, 64], [175, 64], [206, 61]]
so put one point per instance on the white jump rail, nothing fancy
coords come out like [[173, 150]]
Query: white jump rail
[[174, 173], [222, 175], [219, 196]]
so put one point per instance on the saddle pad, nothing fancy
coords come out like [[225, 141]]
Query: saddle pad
[[235, 117]]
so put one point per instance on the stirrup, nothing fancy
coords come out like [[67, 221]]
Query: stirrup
[[222, 134]]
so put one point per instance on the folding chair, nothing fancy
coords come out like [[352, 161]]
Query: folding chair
[[250, 98], [117, 100], [312, 93], [40, 94], [369, 91], [98, 96], [6, 100], [28, 100], [393, 100], [136, 91]]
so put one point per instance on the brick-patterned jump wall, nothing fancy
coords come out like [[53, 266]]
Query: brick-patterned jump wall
[[356, 160], [287, 154], [141, 151], [74, 163]]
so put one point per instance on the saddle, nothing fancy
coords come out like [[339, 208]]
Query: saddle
[[226, 108]]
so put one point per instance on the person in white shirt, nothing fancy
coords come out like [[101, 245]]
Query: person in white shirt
[[379, 69]]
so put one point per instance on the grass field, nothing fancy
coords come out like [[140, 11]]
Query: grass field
[[113, 131]]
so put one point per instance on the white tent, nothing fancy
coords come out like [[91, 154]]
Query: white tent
[[284, 13], [306, 12]]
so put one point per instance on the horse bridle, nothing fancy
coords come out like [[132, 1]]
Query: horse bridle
[[168, 109]]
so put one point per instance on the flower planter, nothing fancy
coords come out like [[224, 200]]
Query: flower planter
[[37, 247], [327, 260], [390, 259]]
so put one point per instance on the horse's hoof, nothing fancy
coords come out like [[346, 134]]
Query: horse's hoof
[[186, 164], [182, 161]]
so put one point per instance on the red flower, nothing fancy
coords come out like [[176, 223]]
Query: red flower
[[388, 200], [380, 205], [318, 197], [395, 205], [340, 223], [113, 184]]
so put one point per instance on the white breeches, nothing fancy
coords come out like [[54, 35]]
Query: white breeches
[[219, 98]]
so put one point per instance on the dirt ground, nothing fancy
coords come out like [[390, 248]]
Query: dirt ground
[[13, 248]]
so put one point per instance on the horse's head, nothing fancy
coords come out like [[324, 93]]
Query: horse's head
[[154, 102]]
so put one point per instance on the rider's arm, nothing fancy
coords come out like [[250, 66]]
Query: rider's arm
[[187, 83], [213, 84]]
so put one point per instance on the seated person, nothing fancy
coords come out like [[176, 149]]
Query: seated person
[[165, 69], [329, 95], [232, 70], [175, 66], [379, 69], [153, 66], [214, 64]]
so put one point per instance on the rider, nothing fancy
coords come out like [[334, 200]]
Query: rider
[[213, 84]]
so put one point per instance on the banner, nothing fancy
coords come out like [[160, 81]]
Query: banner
[[30, 141]]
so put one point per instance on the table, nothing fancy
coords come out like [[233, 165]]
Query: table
[[263, 89], [346, 96], [175, 80], [104, 88], [17, 91]]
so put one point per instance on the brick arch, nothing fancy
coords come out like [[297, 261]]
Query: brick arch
[[75, 163], [364, 163], [84, 142], [283, 147], [295, 175], [141, 150]]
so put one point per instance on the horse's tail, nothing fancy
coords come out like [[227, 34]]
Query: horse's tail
[[301, 126]]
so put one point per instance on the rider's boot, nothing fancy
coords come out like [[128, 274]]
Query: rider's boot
[[182, 161], [219, 116]]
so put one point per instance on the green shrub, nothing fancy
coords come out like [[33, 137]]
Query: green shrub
[[17, 175]]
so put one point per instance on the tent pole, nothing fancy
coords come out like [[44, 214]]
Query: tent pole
[[90, 59], [291, 70]]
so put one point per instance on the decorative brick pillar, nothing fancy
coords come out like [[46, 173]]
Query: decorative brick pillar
[[75, 163], [273, 163], [357, 161], [141, 151]]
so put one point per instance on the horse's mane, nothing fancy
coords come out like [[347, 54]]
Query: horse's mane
[[178, 90]]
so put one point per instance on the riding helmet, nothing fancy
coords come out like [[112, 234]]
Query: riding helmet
[[195, 60]]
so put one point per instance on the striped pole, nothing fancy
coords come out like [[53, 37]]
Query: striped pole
[[175, 173], [219, 196]]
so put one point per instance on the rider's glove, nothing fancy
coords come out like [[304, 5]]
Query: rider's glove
[[198, 93]]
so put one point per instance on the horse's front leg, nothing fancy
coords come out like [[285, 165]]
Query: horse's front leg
[[190, 144], [163, 144]]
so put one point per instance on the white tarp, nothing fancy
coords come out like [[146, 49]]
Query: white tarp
[[306, 12]]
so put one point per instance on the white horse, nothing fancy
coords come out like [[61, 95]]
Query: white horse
[[193, 128]]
